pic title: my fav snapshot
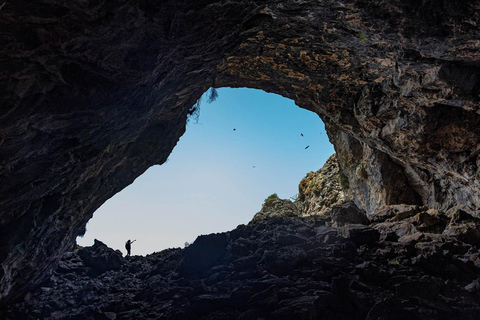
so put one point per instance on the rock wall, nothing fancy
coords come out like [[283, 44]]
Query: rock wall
[[319, 191], [275, 208], [95, 92]]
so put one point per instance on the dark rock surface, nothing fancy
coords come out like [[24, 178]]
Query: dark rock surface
[[99, 258], [348, 212], [95, 92], [282, 268]]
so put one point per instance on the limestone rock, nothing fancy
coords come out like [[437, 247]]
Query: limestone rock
[[276, 208], [319, 191], [398, 212], [348, 213]]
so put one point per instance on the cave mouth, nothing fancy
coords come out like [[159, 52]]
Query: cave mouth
[[245, 146]]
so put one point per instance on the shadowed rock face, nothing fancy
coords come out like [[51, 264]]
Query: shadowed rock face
[[95, 92], [411, 263]]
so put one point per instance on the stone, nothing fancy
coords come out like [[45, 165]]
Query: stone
[[411, 237], [362, 235], [319, 191], [276, 208], [348, 213], [466, 232], [424, 289], [281, 262], [202, 254], [99, 258], [339, 280], [290, 239], [474, 286], [391, 309], [430, 221]]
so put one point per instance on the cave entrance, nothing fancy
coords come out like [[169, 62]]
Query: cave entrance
[[246, 145]]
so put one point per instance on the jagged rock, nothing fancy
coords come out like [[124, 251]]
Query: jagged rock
[[203, 254], [361, 235], [276, 208], [347, 213], [288, 267], [430, 221], [399, 212], [99, 258], [282, 262], [474, 286], [319, 191], [96, 92], [466, 232]]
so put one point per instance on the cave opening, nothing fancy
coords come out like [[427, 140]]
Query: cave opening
[[245, 146]]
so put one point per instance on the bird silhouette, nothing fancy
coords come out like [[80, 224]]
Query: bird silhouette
[[301, 134], [234, 129], [307, 147]]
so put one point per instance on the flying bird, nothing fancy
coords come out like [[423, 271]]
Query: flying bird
[[307, 147], [254, 166], [234, 129], [301, 134]]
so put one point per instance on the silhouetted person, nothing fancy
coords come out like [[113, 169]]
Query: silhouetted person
[[128, 246]]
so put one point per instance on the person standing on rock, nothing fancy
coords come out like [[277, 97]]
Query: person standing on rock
[[128, 246]]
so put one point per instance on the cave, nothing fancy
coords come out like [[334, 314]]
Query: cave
[[243, 147], [96, 92]]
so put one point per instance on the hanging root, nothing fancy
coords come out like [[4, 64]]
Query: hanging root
[[213, 95]]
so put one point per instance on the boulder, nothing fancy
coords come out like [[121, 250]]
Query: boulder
[[99, 258], [203, 254], [362, 235], [281, 262], [347, 213], [275, 208]]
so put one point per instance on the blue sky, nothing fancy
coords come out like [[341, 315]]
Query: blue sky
[[216, 178]]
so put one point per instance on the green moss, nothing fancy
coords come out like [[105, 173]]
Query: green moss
[[271, 197], [361, 170], [394, 263], [362, 36]]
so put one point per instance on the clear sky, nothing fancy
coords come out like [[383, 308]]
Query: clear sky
[[216, 177]]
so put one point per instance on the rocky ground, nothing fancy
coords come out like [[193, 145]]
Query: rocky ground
[[409, 263]]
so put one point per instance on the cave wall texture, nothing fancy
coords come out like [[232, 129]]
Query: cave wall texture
[[94, 92]]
